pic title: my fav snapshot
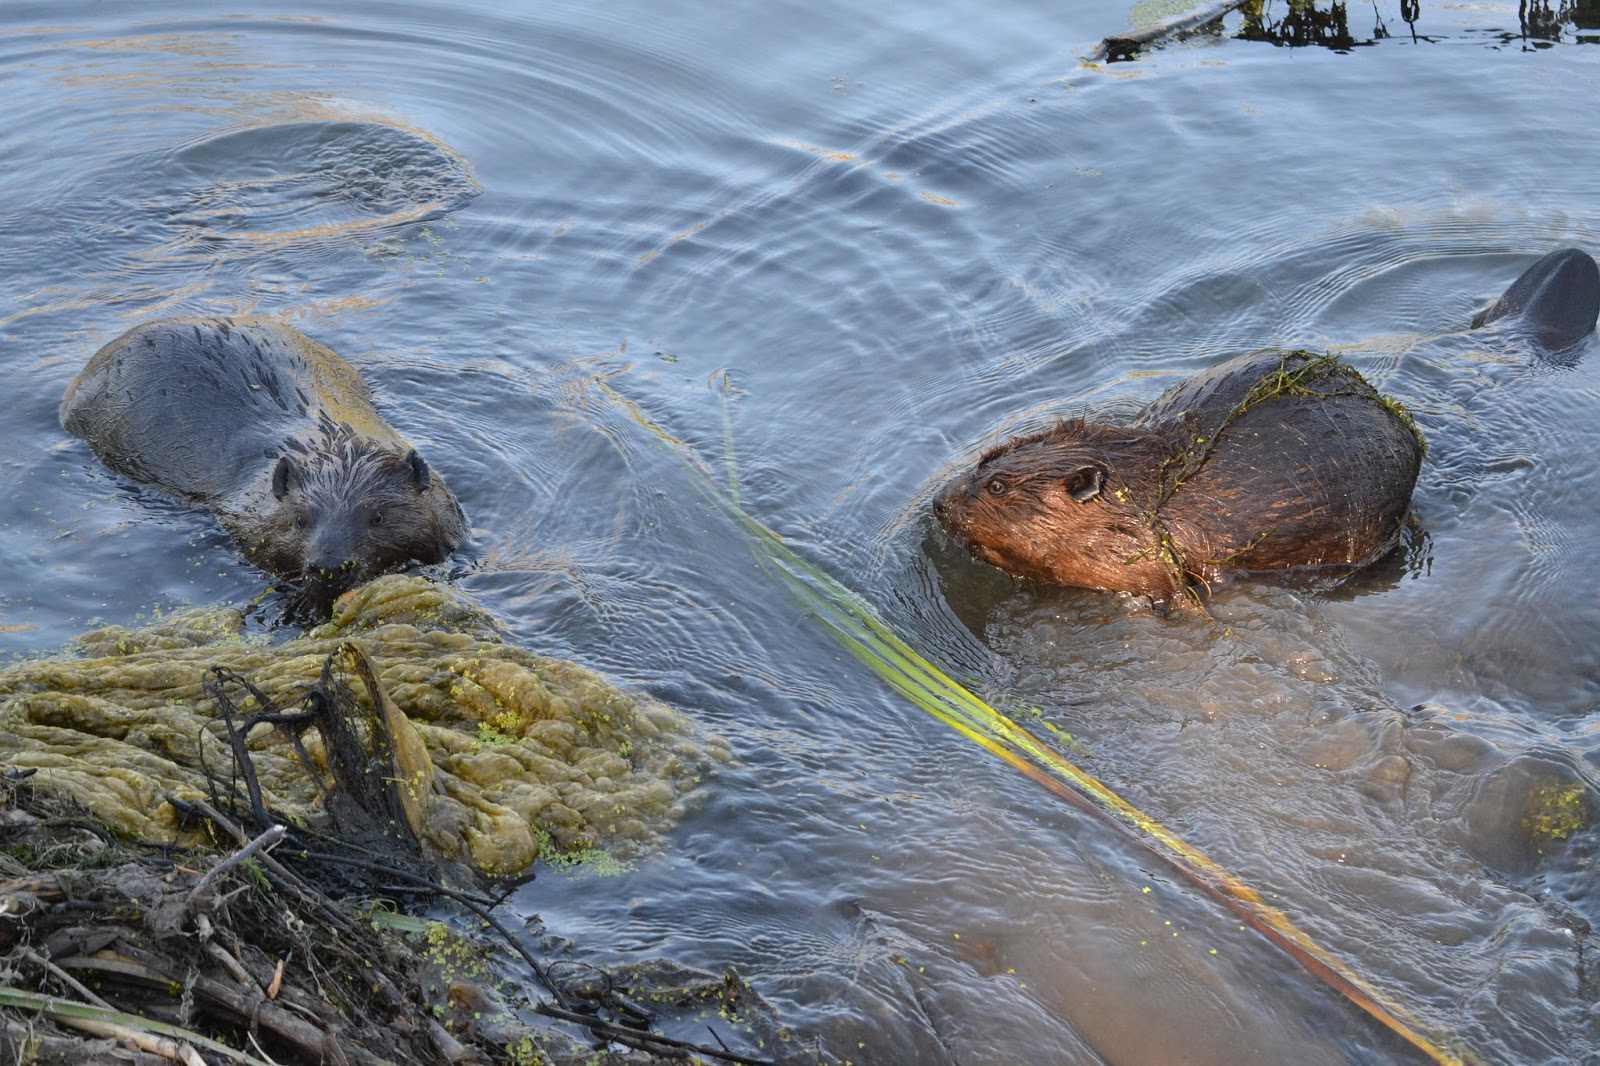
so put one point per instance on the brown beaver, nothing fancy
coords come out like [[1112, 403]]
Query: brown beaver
[[1271, 460], [275, 434]]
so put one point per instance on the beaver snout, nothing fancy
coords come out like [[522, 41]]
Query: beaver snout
[[949, 509], [332, 551], [346, 574], [322, 584]]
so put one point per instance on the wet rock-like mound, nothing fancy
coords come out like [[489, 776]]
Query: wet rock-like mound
[[522, 751]]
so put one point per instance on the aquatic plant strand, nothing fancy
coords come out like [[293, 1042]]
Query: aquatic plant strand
[[857, 627]]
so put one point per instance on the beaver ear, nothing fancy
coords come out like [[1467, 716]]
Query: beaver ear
[[419, 469], [1085, 483], [280, 477]]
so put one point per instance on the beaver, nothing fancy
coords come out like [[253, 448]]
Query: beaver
[[1555, 302], [1269, 461], [278, 437]]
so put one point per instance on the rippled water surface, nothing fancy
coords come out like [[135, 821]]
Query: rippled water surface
[[858, 242]]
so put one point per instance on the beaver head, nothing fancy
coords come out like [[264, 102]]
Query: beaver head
[[1071, 505], [336, 518]]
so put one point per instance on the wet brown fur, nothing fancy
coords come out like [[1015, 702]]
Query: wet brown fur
[[1207, 479]]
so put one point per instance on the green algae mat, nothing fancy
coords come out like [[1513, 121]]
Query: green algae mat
[[523, 752]]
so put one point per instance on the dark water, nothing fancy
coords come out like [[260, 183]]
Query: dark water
[[871, 238]]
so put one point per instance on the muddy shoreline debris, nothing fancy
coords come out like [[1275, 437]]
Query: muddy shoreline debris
[[310, 877]]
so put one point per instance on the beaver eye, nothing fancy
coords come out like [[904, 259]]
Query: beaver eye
[[997, 486], [377, 518], [300, 521]]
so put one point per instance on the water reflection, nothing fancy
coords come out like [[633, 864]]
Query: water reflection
[[1300, 24], [1308, 23]]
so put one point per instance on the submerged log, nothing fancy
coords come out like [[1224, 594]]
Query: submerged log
[[1129, 45]]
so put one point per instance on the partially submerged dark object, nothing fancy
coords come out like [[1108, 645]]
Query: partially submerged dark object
[[1128, 45], [1271, 461], [1555, 302], [275, 434]]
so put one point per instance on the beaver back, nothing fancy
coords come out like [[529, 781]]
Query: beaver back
[[1284, 459], [1555, 301], [194, 406]]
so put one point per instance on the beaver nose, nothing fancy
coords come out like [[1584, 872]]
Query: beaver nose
[[329, 559], [946, 510]]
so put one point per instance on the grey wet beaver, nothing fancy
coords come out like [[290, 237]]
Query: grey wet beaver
[[278, 437], [1269, 461]]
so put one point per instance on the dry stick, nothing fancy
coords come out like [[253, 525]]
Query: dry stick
[[1173, 27], [164, 1046], [259, 1049], [276, 871], [318, 1044], [277, 981], [28, 894], [234, 967], [265, 840], [65, 978]]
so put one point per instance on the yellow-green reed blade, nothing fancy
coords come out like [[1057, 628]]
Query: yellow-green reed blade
[[856, 626], [853, 623], [165, 1039]]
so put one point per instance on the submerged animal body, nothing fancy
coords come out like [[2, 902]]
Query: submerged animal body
[[1556, 302], [1270, 461], [277, 436]]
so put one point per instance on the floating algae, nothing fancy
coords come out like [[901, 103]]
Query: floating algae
[[1554, 810], [524, 748]]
